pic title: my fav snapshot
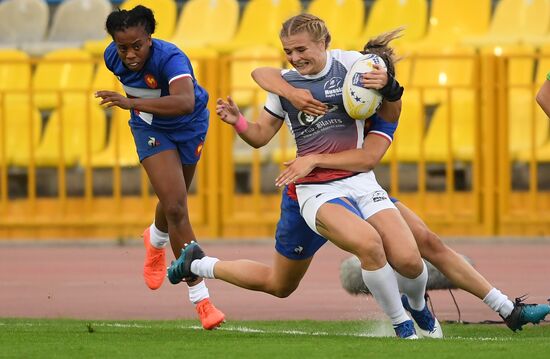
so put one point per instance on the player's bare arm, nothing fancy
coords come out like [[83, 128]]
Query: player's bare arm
[[256, 134], [181, 100], [543, 97]]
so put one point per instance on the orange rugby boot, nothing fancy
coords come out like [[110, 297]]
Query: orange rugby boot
[[210, 316], [154, 268]]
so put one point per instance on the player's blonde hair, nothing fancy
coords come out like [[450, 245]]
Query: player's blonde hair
[[379, 46], [309, 23]]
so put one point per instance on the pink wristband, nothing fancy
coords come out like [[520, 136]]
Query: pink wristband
[[241, 125]]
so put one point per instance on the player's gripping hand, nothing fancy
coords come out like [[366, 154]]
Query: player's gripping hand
[[227, 111], [304, 101], [376, 79], [111, 98]]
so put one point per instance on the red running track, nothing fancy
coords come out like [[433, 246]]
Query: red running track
[[104, 281]]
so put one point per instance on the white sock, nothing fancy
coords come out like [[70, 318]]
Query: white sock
[[158, 239], [198, 292], [204, 267], [414, 288], [499, 302], [383, 286]]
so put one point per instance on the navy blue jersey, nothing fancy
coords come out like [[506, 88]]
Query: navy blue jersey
[[166, 63]]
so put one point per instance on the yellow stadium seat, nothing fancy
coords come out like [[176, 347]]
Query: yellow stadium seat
[[23, 21], [17, 116], [387, 15], [462, 117], [67, 72], [408, 137], [516, 21], [344, 19], [72, 123], [199, 23], [105, 80], [165, 12], [261, 23], [120, 140], [74, 22], [15, 70], [433, 74], [450, 21], [244, 91]]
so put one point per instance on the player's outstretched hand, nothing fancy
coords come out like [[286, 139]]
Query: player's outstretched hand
[[295, 169], [376, 79], [111, 98], [227, 111]]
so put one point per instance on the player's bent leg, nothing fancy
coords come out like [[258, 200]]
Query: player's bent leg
[[447, 261]]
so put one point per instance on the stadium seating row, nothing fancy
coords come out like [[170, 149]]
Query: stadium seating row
[[216, 23]]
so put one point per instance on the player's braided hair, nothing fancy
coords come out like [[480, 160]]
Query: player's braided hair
[[120, 20], [379, 46], [309, 23]]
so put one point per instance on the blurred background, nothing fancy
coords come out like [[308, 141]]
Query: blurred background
[[471, 154]]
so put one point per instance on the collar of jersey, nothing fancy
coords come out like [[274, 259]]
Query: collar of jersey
[[325, 69]]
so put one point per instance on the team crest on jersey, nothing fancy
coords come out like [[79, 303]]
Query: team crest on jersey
[[333, 87], [198, 150], [150, 81], [306, 120]]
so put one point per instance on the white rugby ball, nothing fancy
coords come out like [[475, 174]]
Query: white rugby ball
[[360, 102]]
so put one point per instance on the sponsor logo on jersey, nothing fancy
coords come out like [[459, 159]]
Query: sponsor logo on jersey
[[333, 87], [151, 81], [306, 120]]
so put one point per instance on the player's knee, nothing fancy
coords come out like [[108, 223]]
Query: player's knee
[[429, 243], [175, 211], [371, 252], [409, 265], [283, 291]]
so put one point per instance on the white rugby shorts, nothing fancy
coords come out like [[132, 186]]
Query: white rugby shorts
[[362, 188]]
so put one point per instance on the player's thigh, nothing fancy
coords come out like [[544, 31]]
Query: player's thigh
[[348, 231], [165, 173]]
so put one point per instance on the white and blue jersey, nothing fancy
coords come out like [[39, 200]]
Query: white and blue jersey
[[153, 133], [294, 239], [333, 132]]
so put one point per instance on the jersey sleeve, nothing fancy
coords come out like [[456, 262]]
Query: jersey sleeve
[[381, 127], [177, 66], [274, 107]]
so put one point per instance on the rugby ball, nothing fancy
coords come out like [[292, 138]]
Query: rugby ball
[[361, 103]]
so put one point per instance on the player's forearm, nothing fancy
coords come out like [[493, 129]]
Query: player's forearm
[[270, 80], [173, 105], [254, 136], [390, 111], [356, 160]]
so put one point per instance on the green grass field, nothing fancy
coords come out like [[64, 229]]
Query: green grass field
[[33, 338]]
